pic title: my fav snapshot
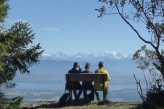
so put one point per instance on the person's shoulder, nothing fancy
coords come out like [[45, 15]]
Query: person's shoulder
[[70, 71], [106, 71], [80, 70]]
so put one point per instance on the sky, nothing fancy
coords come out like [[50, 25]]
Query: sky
[[73, 26]]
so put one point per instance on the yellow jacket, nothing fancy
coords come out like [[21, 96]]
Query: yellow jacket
[[97, 84]]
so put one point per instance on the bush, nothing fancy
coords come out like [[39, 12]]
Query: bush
[[13, 103], [155, 96]]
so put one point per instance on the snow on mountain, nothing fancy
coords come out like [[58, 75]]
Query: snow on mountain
[[112, 54], [45, 55], [106, 55]]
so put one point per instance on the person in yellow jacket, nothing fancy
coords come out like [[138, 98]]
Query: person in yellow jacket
[[97, 84]]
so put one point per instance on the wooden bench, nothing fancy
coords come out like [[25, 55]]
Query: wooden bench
[[86, 78]]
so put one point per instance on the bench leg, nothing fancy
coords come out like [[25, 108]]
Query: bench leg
[[97, 95], [104, 94], [70, 94]]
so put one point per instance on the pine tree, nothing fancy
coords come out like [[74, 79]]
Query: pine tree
[[17, 53]]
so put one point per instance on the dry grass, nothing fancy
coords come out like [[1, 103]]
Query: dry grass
[[105, 106], [77, 105]]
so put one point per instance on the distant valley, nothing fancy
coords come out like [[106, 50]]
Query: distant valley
[[47, 78], [53, 68]]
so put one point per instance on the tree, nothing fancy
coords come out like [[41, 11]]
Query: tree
[[148, 14], [17, 51]]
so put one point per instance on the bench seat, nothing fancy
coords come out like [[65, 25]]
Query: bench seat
[[84, 77]]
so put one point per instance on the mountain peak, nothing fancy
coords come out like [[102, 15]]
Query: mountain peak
[[106, 55]]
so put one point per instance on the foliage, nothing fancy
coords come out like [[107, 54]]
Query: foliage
[[13, 103], [150, 57], [155, 96], [4, 7], [17, 53], [2, 99], [149, 13]]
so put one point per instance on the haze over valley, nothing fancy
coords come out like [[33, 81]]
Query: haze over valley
[[47, 79]]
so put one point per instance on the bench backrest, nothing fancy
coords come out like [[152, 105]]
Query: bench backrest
[[86, 77]]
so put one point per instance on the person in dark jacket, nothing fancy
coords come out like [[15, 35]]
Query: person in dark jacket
[[88, 84], [76, 69]]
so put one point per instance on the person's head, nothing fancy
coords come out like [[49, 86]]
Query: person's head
[[101, 64], [75, 65], [87, 65]]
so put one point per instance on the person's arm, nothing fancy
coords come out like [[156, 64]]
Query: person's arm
[[108, 76], [80, 70], [69, 71]]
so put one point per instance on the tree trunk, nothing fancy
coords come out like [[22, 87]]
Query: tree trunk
[[162, 70]]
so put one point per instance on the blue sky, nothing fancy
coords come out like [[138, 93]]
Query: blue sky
[[72, 26]]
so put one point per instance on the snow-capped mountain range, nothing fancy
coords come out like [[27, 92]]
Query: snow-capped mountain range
[[106, 55]]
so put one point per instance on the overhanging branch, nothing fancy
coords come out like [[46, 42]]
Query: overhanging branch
[[148, 42]]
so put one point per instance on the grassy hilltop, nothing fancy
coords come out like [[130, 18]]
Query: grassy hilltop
[[79, 105]]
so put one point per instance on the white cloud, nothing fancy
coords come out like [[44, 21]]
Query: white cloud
[[25, 21], [9, 20], [51, 29], [17, 20]]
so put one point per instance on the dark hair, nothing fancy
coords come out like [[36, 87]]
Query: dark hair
[[101, 64], [75, 64], [87, 65]]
